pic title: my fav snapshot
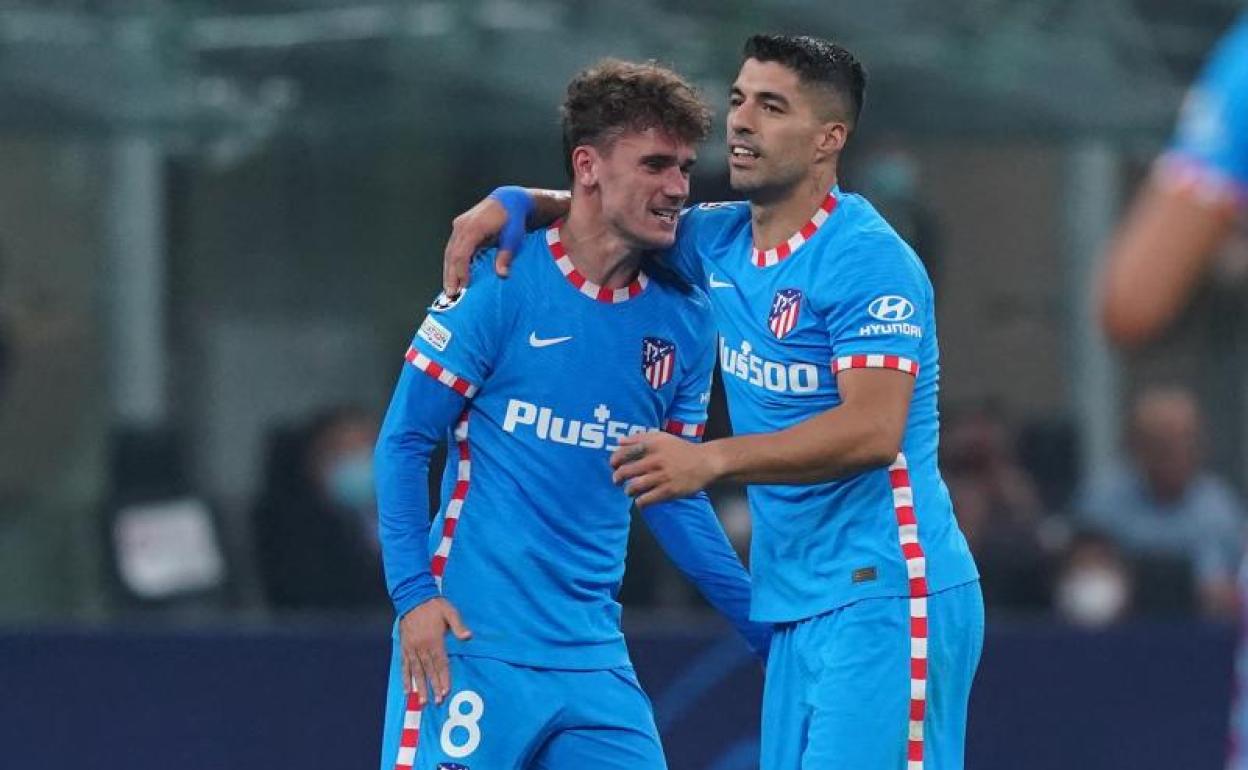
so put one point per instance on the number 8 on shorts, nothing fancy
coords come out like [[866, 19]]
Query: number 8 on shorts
[[461, 734]]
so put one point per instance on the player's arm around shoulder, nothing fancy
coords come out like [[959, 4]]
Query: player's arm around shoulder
[[499, 218]]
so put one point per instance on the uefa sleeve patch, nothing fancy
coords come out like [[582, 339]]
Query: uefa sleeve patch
[[434, 333], [443, 303]]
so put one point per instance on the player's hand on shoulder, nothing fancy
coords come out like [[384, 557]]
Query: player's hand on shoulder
[[421, 641], [477, 228], [499, 218]]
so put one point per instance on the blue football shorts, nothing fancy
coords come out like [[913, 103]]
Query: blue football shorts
[[502, 716], [880, 684]]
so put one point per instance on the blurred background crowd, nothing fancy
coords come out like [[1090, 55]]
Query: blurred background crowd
[[220, 223]]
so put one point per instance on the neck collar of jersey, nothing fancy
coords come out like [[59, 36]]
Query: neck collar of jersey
[[583, 284], [782, 252]]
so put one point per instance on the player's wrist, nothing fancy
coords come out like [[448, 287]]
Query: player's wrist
[[416, 599], [515, 200], [715, 460]]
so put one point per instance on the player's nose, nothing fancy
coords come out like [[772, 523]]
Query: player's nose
[[676, 185], [740, 121]]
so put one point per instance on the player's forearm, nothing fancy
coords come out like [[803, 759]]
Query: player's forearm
[[548, 205], [691, 535], [419, 413], [835, 444], [404, 540], [1156, 260]]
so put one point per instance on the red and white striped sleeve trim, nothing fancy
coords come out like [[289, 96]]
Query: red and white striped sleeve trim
[[439, 373], [463, 475], [409, 739], [916, 571], [686, 429], [875, 361]]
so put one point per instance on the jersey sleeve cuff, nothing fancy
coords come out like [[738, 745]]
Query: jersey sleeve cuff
[[440, 373], [690, 430], [420, 591], [1184, 172], [875, 361]]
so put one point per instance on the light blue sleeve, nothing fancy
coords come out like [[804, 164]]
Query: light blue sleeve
[[1210, 146], [449, 359], [420, 413], [695, 542], [459, 339], [884, 307]]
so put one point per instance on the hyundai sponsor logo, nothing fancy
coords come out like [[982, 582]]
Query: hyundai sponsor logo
[[891, 308]]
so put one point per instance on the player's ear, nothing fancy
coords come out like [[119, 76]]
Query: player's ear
[[585, 165], [831, 138]]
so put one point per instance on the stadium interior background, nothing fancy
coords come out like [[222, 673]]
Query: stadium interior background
[[220, 221]]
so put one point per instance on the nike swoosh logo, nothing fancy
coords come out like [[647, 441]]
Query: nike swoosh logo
[[538, 342], [719, 284]]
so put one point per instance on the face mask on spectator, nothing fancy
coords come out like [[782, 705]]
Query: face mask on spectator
[[351, 481], [1092, 595]]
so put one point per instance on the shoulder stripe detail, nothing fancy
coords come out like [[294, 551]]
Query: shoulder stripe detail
[[783, 251], [688, 430], [439, 373], [583, 284], [916, 569], [875, 361]]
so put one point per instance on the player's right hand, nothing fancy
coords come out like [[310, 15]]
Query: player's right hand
[[477, 228], [421, 632]]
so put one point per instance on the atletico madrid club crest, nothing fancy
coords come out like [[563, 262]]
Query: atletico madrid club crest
[[785, 308], [658, 361]]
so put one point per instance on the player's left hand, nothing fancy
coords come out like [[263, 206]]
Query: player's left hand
[[659, 466]]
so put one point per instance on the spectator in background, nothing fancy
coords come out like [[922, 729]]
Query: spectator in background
[[1163, 504], [998, 508], [1094, 586], [316, 521]]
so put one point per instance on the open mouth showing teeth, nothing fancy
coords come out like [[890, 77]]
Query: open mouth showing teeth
[[666, 215], [742, 152]]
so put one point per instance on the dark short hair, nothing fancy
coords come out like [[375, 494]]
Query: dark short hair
[[615, 96], [817, 62]]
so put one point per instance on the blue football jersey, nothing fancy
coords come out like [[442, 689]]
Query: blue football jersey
[[844, 292], [1210, 148], [530, 540]]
